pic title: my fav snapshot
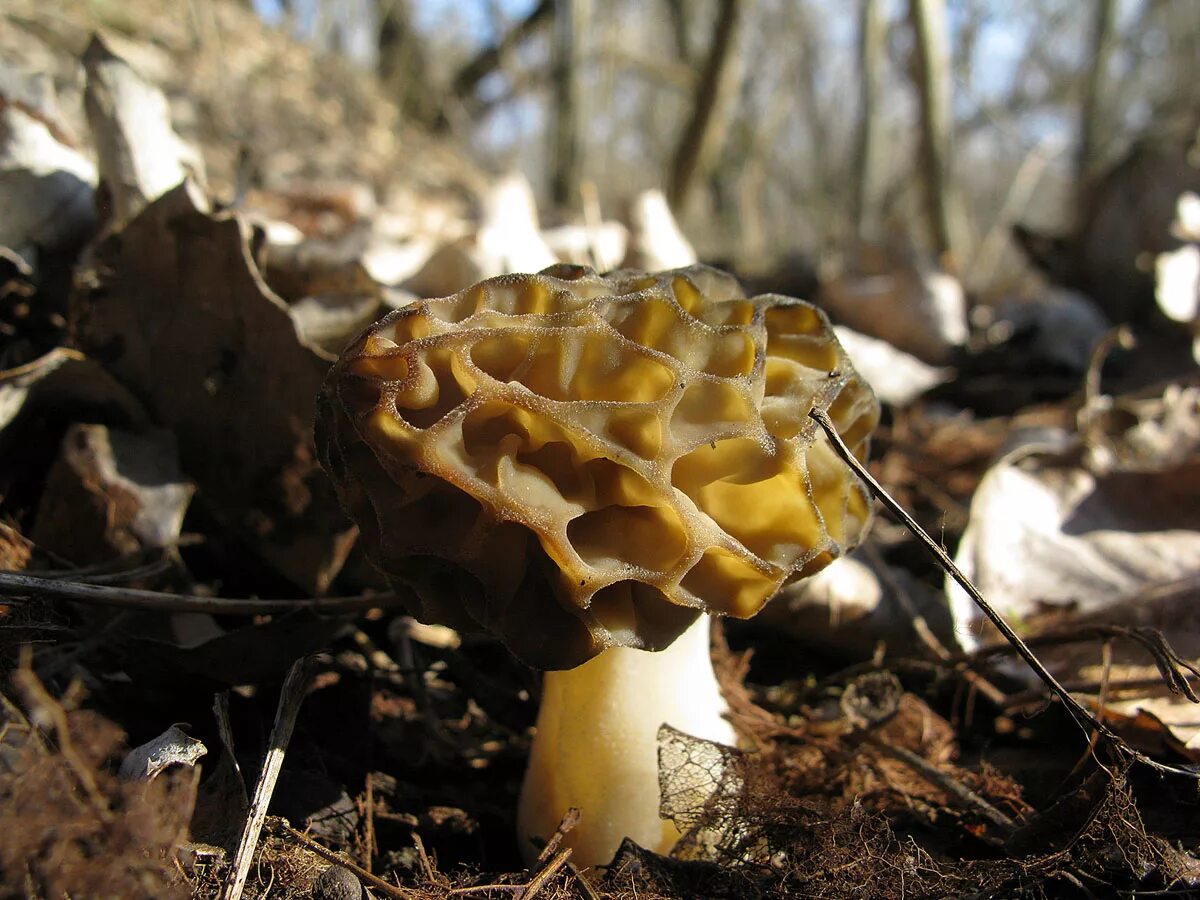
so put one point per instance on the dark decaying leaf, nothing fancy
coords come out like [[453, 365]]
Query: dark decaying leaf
[[183, 317]]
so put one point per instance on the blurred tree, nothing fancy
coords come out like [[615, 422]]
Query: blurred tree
[[492, 56], [872, 32], [928, 18], [700, 141], [679, 11], [1091, 111], [775, 162], [566, 151], [403, 67]]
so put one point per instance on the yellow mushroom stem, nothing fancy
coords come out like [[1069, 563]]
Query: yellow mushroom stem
[[596, 747]]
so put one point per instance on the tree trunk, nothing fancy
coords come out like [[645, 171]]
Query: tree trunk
[[491, 58], [928, 19], [1091, 117], [702, 136], [566, 151], [402, 66], [867, 176], [677, 11]]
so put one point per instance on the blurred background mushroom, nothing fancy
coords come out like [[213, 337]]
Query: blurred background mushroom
[[585, 466]]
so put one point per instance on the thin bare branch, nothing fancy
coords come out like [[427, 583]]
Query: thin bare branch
[[13, 586], [1082, 715], [283, 829], [491, 58], [699, 141]]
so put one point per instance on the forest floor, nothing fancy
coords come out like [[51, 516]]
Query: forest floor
[[880, 759]]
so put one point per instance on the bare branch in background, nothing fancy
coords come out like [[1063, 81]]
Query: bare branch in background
[[932, 74], [700, 141], [570, 31], [871, 61], [678, 13], [403, 66], [1091, 117], [811, 59], [491, 58]]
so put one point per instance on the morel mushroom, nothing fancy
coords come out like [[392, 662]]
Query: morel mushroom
[[586, 466]]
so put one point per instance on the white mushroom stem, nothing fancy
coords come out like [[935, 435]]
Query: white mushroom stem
[[597, 750]]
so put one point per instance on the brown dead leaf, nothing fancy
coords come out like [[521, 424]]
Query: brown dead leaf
[[183, 317]]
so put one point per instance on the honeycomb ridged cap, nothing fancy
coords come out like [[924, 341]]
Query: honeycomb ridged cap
[[573, 462]]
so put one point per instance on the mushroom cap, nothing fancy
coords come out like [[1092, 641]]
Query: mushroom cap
[[572, 461]]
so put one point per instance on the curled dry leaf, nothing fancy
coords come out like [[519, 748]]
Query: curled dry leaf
[[331, 322], [507, 240], [854, 605], [183, 317], [1049, 530], [602, 245], [57, 388], [1054, 330], [69, 382], [1177, 271], [15, 549]]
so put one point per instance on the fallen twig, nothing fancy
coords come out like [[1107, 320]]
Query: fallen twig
[[1113, 686], [12, 584], [526, 891], [282, 828], [963, 794], [925, 633], [426, 866], [550, 862], [542, 878], [1082, 715], [106, 574]]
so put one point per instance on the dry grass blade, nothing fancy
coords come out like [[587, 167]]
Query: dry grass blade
[[290, 698], [1078, 711]]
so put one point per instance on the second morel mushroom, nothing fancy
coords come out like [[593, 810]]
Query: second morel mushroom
[[586, 467]]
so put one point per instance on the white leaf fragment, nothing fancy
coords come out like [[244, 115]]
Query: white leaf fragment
[[141, 157], [172, 747]]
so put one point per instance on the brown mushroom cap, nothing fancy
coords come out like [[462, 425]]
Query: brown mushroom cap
[[572, 461]]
